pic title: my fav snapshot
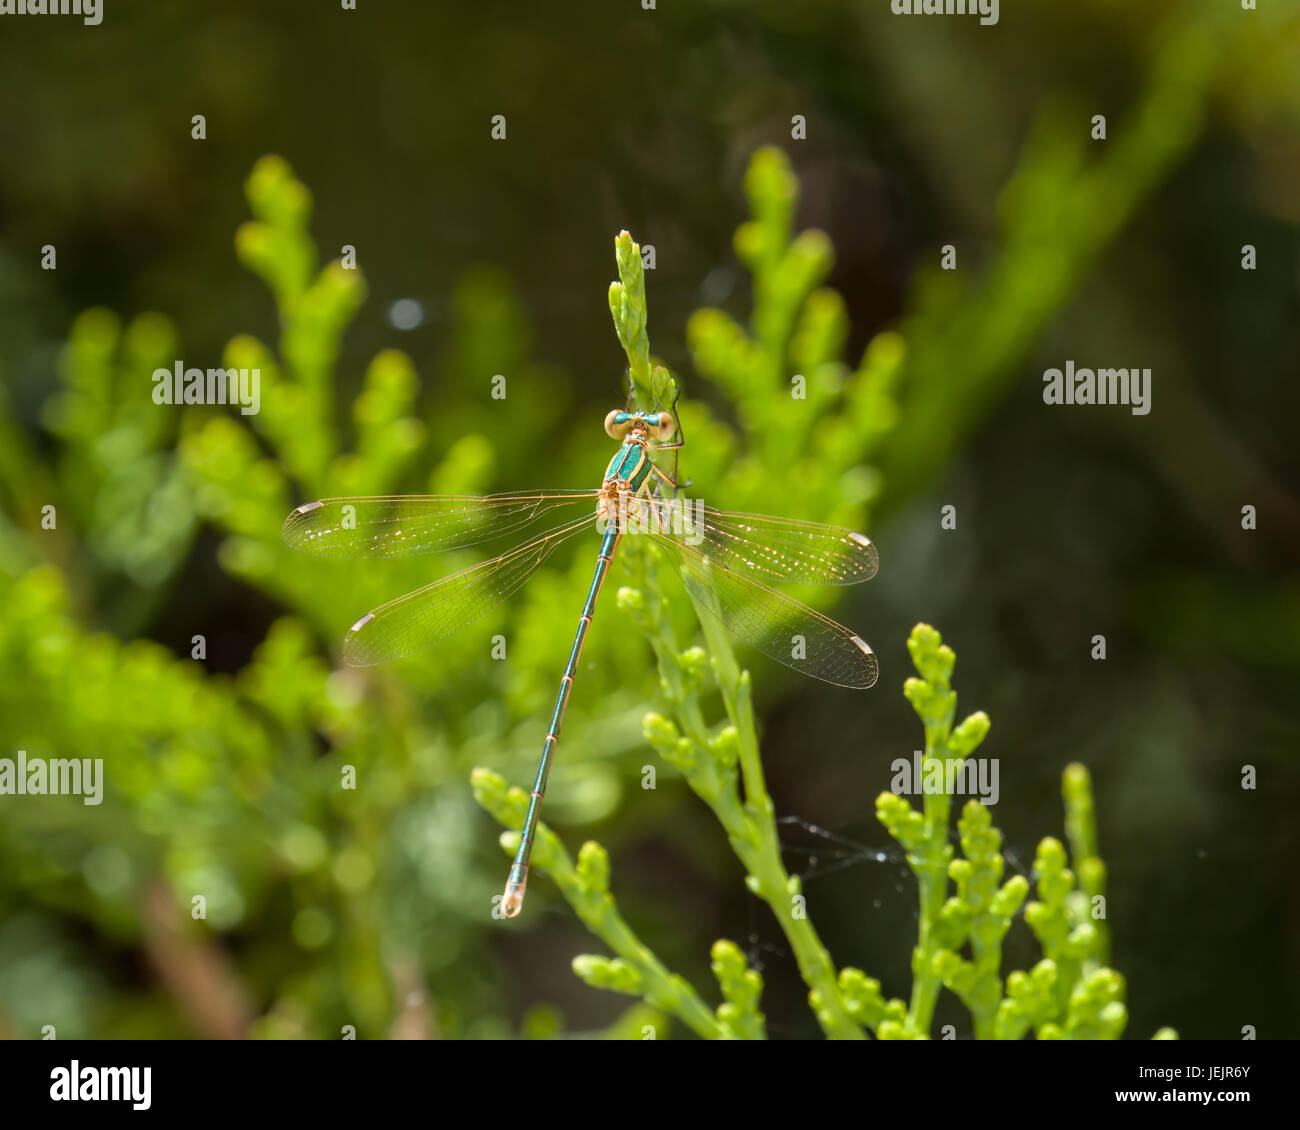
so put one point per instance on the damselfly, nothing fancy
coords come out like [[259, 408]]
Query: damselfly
[[724, 559]]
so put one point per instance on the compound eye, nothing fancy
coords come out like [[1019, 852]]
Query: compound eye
[[664, 427], [617, 424]]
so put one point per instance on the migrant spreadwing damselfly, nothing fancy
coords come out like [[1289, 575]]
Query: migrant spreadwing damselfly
[[724, 560]]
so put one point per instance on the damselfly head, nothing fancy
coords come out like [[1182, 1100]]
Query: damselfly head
[[659, 425]]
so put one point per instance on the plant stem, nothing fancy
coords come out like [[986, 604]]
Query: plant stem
[[759, 848], [930, 865], [661, 988]]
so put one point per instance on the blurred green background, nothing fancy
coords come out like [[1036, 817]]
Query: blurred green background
[[327, 908]]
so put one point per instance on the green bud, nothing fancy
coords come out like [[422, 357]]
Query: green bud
[[614, 974], [725, 747], [593, 866], [932, 659], [694, 662], [969, 734], [1010, 897], [661, 733], [631, 601]]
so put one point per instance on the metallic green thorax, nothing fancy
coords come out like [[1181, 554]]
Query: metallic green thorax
[[631, 465]]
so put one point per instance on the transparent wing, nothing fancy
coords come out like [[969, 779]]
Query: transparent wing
[[769, 548], [405, 525], [781, 628], [420, 619]]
